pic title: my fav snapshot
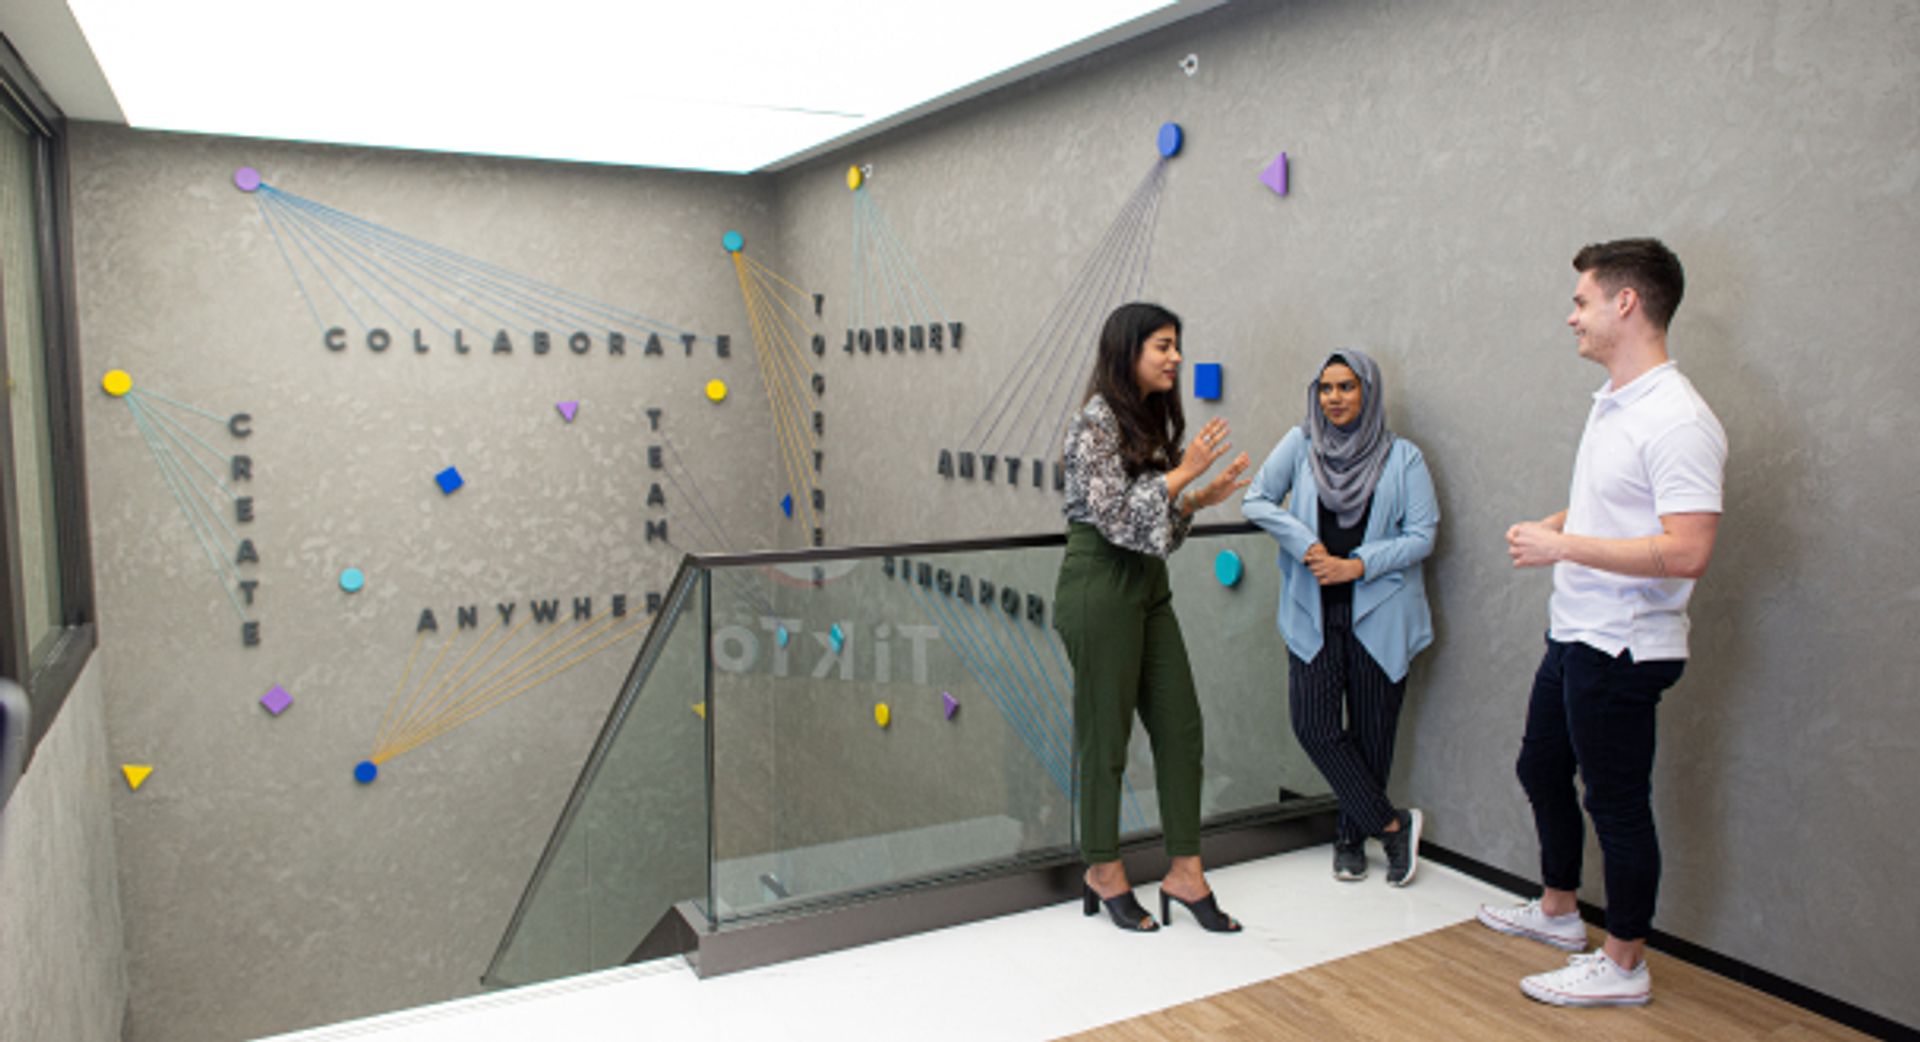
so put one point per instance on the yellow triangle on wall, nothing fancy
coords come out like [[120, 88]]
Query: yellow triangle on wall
[[700, 708], [136, 774]]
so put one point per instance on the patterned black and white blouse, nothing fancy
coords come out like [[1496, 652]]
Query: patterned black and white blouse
[[1133, 515]]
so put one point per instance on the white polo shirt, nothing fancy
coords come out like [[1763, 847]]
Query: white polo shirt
[[1650, 448]]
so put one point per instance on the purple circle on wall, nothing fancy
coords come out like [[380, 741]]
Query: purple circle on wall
[[246, 179]]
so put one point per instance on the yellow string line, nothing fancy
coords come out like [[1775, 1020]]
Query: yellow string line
[[431, 670], [799, 322], [790, 396], [380, 736], [793, 361], [800, 371], [451, 723], [793, 396], [412, 717], [776, 275], [451, 687], [492, 699], [781, 418], [462, 696]]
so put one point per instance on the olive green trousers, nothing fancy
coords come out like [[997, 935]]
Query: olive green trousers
[[1114, 611]]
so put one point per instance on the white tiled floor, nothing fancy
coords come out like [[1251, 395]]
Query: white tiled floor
[[1036, 975]]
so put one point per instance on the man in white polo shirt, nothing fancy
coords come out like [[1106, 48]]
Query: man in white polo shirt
[[1638, 530]]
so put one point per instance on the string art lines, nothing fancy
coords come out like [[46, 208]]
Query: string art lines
[[1029, 682], [1026, 418], [384, 280], [893, 307], [774, 306], [202, 479], [424, 709]]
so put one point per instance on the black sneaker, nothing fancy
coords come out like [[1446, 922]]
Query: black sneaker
[[1350, 860], [1403, 849]]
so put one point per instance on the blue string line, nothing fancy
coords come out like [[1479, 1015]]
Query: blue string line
[[298, 282], [504, 296], [299, 243], [429, 268], [1041, 739], [196, 410], [452, 289], [896, 300], [980, 666], [859, 269], [1059, 739], [193, 521], [385, 276], [168, 427], [325, 241], [1034, 353], [201, 497], [1062, 702], [633, 318], [923, 290]]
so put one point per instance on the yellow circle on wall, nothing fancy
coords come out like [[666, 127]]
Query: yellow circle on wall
[[855, 178], [117, 382], [716, 390], [881, 714]]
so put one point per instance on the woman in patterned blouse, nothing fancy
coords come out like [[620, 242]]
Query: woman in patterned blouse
[[1131, 497]]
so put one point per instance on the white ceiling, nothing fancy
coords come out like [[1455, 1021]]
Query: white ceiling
[[721, 85]]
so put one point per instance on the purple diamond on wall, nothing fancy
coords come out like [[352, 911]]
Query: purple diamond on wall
[[276, 700]]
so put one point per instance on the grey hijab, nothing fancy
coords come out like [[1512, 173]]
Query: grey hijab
[[1347, 460]]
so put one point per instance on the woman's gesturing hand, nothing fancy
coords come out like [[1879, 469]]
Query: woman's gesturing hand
[[1204, 450], [1225, 484]]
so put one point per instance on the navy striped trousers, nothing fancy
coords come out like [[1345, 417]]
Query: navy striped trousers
[[1346, 713]]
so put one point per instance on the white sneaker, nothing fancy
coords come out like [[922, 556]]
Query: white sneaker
[[1565, 932], [1591, 980]]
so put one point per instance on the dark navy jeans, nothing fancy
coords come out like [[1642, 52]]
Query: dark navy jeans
[[1593, 714]]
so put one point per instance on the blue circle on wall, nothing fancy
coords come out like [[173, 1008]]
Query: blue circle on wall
[[734, 242], [1171, 137], [365, 772], [1227, 568], [352, 580]]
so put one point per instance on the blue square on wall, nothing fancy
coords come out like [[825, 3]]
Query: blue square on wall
[[1206, 381], [449, 480]]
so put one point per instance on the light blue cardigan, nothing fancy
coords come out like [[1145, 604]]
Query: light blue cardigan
[[1390, 601]]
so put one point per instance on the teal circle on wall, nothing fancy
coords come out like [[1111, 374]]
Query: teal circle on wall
[[352, 580], [1228, 568], [734, 242]]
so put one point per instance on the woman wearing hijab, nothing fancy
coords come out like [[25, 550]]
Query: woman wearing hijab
[[1353, 600]]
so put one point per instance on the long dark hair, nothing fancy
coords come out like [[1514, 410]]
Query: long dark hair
[[1151, 425]]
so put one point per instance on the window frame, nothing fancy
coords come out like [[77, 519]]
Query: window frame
[[66, 653]]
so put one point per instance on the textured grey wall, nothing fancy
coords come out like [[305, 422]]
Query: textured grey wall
[[1447, 160], [264, 889], [64, 978]]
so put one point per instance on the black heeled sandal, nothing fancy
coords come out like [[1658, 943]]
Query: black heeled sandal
[[1123, 909], [1205, 911]]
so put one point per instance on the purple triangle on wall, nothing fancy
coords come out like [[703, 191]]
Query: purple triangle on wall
[[567, 409], [1275, 175]]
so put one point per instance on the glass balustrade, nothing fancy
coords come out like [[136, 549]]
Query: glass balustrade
[[812, 728]]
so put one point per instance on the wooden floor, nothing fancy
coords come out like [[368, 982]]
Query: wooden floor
[[1462, 982]]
